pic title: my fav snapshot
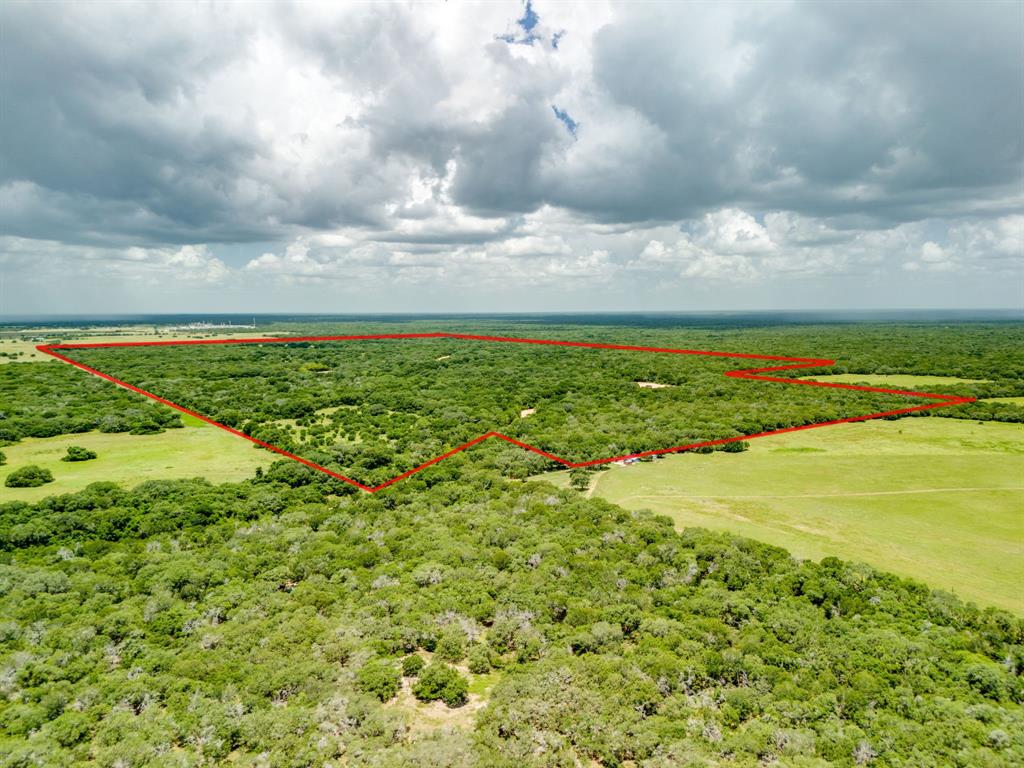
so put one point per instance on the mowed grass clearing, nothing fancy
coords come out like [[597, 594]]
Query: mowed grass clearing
[[897, 381], [198, 450], [937, 500], [24, 343]]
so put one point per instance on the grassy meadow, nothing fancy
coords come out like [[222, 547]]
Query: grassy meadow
[[20, 347], [937, 500], [895, 380], [198, 450]]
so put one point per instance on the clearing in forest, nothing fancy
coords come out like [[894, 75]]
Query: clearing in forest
[[372, 410]]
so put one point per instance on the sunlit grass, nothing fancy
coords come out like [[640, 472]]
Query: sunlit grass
[[938, 500]]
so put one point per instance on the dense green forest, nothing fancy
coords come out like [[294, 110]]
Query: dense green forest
[[262, 621], [47, 399], [373, 409], [289, 620]]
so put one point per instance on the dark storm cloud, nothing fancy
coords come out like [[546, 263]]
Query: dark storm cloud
[[939, 81], [103, 121], [83, 100], [499, 163], [894, 111]]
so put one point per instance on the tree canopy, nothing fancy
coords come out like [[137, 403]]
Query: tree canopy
[[471, 616]]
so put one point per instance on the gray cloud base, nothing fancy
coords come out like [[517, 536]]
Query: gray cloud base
[[749, 142]]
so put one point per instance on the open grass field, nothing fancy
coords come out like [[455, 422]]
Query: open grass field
[[23, 344], [937, 500], [898, 381], [20, 347], [198, 450]]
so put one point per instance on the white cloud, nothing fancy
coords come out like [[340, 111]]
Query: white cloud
[[357, 146], [733, 231], [191, 262], [933, 258]]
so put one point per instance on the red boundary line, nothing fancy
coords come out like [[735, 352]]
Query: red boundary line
[[944, 401]]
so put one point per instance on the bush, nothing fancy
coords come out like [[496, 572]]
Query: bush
[[378, 678], [452, 645], [411, 665], [28, 477], [441, 682], [986, 679], [735, 447], [478, 660], [70, 728], [146, 428], [77, 453], [3, 458]]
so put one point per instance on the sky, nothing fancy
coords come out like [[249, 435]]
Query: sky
[[502, 156]]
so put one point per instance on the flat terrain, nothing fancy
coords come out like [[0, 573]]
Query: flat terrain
[[937, 500], [198, 450], [899, 381], [20, 347], [375, 408], [232, 622], [423, 717]]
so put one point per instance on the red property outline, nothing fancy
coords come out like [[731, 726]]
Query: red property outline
[[744, 373]]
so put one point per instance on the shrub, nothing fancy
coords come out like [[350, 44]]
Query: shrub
[[735, 447], [441, 682], [28, 477], [452, 645], [146, 428], [501, 559], [986, 679], [428, 574], [3, 458], [378, 678], [478, 660], [70, 728], [77, 453], [411, 665]]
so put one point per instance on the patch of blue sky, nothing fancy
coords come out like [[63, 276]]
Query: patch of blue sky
[[570, 124], [527, 24]]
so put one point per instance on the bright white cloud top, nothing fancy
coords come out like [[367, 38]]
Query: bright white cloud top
[[452, 156]]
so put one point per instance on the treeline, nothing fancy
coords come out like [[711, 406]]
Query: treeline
[[51, 398], [272, 622], [372, 409]]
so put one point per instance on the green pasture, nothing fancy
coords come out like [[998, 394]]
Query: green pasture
[[23, 344], [937, 500], [198, 450], [898, 381]]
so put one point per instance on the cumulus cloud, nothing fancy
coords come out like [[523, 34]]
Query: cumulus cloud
[[518, 144], [932, 257], [731, 245], [49, 261]]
